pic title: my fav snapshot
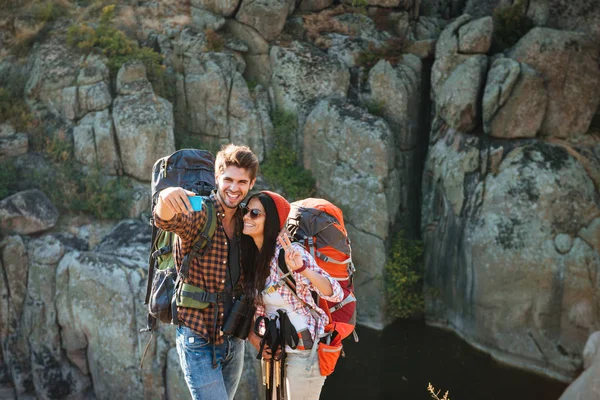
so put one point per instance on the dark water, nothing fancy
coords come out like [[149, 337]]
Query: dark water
[[398, 363]]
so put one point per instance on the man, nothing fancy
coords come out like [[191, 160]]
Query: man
[[211, 361]]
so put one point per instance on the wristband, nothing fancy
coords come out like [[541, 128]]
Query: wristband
[[301, 269]]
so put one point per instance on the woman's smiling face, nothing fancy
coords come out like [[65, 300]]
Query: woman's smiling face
[[254, 227]]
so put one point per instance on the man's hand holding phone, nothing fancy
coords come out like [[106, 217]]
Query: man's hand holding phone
[[177, 200]]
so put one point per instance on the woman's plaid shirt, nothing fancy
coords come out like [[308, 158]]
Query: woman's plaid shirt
[[303, 288], [208, 272]]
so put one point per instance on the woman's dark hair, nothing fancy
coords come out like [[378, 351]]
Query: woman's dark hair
[[255, 262]]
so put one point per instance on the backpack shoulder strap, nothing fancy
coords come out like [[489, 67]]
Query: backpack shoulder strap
[[289, 281], [204, 238]]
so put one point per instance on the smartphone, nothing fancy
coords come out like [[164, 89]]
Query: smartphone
[[196, 202]]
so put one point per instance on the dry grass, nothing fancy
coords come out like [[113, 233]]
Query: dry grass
[[23, 40], [435, 395], [319, 23], [178, 20], [126, 19]]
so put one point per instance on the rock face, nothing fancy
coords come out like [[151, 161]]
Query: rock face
[[514, 100], [27, 212], [476, 36], [219, 103], [507, 258], [70, 320], [266, 16], [258, 68], [225, 8], [94, 141], [396, 90], [458, 73], [569, 62], [12, 144], [583, 16], [344, 145], [53, 68], [586, 385], [458, 99], [302, 74], [143, 124]]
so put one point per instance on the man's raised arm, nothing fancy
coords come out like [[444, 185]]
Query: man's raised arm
[[172, 201]]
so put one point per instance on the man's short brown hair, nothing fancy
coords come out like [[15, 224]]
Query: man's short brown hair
[[238, 156]]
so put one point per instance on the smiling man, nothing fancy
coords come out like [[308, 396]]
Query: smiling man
[[211, 361]]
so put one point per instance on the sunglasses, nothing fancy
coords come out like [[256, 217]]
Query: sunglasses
[[253, 213]]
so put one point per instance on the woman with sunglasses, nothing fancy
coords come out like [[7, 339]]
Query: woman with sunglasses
[[264, 238]]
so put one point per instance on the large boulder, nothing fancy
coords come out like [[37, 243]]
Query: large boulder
[[258, 67], [53, 67], [458, 101], [476, 36], [143, 125], [508, 233], [582, 16], [344, 145], [206, 19], [13, 291], [397, 90], [570, 64], [219, 103], [266, 16], [514, 100], [225, 8], [303, 74], [96, 297], [53, 376], [27, 212], [12, 143], [94, 141], [447, 56], [586, 385]]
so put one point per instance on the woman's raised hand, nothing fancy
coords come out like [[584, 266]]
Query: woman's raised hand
[[293, 258]]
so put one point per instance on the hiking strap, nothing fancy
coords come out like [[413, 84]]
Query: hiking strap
[[316, 253], [342, 303], [203, 240], [288, 279], [151, 262]]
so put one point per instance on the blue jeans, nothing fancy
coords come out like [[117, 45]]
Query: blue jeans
[[196, 360]]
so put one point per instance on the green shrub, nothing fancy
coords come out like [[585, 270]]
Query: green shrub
[[510, 24], [360, 3], [404, 277], [14, 110], [8, 179], [117, 47], [95, 193], [72, 190], [375, 107], [282, 167], [48, 11]]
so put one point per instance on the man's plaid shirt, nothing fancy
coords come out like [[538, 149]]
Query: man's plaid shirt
[[303, 288], [208, 272]]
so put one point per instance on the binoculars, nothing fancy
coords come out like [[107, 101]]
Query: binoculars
[[240, 318]]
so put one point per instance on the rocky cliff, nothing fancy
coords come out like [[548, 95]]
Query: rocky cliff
[[409, 116]]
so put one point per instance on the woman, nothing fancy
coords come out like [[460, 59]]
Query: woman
[[264, 220]]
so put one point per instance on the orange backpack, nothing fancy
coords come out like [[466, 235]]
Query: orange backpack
[[319, 226]]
